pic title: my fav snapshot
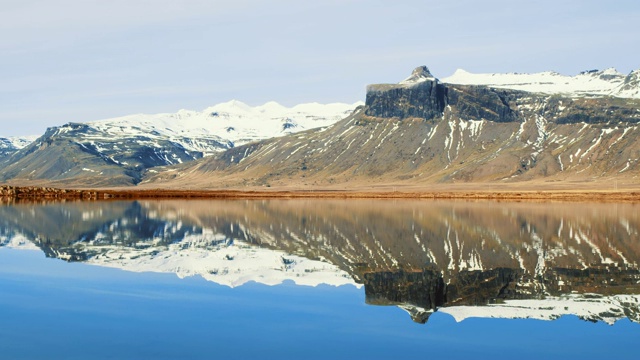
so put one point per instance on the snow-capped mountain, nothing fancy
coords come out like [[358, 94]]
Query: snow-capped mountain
[[17, 142], [467, 128], [423, 131], [10, 145], [231, 124], [117, 151], [607, 82]]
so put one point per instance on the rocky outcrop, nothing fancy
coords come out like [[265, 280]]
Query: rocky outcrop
[[420, 96]]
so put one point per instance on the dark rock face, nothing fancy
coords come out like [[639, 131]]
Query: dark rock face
[[479, 102], [425, 100], [423, 288]]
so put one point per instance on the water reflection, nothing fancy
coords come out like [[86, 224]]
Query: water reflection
[[469, 259]]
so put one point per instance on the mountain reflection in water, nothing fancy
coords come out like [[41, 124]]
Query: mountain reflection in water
[[468, 259]]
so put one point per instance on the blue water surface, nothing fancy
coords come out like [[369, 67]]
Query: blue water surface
[[50, 309]]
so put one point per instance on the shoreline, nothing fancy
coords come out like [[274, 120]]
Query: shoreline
[[48, 193]]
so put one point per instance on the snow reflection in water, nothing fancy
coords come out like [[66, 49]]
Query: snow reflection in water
[[467, 259]]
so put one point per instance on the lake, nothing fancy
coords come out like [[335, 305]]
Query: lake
[[375, 279]]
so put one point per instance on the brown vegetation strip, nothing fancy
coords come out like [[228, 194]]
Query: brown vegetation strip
[[104, 194]]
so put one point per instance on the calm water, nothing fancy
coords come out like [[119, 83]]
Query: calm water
[[318, 279]]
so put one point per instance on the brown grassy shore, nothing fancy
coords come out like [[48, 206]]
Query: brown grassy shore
[[489, 193]]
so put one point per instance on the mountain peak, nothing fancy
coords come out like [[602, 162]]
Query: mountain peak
[[460, 72], [419, 74], [233, 105]]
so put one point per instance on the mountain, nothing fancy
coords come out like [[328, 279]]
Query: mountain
[[424, 131], [468, 259], [116, 151], [11, 145]]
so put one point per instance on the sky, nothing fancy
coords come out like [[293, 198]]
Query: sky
[[81, 60]]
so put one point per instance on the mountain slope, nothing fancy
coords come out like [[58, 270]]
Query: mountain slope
[[116, 151], [422, 131]]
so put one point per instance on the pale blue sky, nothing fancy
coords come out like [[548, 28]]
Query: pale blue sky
[[71, 60]]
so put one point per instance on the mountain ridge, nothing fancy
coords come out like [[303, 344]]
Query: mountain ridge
[[512, 128]]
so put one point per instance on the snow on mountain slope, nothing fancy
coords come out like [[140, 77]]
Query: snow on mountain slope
[[232, 121], [10, 145], [15, 142], [607, 82], [18, 142]]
